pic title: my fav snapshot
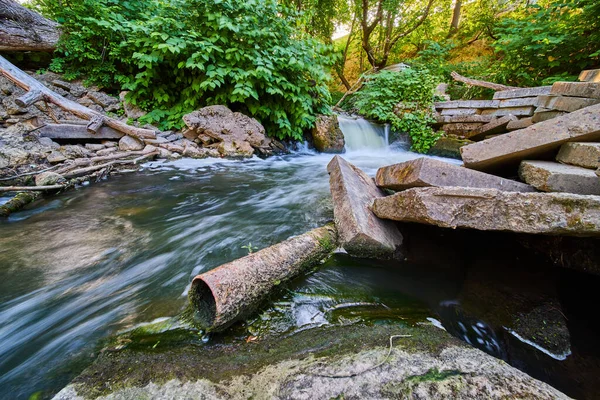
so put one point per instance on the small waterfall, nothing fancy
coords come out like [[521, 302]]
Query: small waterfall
[[361, 134]]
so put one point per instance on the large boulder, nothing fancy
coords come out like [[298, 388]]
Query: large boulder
[[361, 233], [494, 210], [327, 135], [233, 133]]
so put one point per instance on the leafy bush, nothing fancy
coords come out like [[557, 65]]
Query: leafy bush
[[179, 55], [549, 42], [381, 94]]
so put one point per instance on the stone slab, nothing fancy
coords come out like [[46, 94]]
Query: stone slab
[[562, 103], [424, 172], [467, 104], [506, 150], [460, 111], [516, 111], [519, 124], [67, 131], [549, 176], [584, 155], [541, 116], [520, 102], [494, 210], [452, 119], [494, 127], [577, 89], [590, 75], [460, 129], [523, 92], [361, 233]]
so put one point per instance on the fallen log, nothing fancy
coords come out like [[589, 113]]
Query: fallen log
[[19, 201], [476, 82], [234, 290], [31, 85], [24, 30], [84, 171]]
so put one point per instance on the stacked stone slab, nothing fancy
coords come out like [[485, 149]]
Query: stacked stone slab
[[590, 75], [565, 97], [478, 119]]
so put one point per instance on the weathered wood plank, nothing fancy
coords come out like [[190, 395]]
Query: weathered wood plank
[[72, 131]]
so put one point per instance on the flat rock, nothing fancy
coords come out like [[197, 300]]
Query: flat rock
[[494, 210], [519, 124], [577, 89], [545, 114], [523, 92], [56, 157], [562, 103], [424, 172], [361, 233], [467, 104], [538, 139], [460, 129], [128, 143], [550, 176], [584, 155], [494, 127], [590, 75], [516, 111], [451, 119], [460, 111], [520, 102], [48, 178]]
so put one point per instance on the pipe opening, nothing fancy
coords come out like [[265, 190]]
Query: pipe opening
[[204, 303]]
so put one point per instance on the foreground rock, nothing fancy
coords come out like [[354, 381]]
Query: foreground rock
[[427, 365], [327, 136], [424, 172], [550, 176], [232, 133], [494, 210], [234, 290], [536, 140], [360, 232], [584, 155]]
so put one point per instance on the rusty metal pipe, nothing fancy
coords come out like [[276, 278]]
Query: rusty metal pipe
[[234, 290]]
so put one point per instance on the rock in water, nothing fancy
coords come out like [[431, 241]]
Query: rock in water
[[494, 210], [128, 143], [327, 135], [430, 172], [361, 233]]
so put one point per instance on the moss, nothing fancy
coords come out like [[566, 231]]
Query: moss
[[181, 354], [434, 375]]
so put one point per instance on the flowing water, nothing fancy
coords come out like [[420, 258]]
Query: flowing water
[[86, 264]]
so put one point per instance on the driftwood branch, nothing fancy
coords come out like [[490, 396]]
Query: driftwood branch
[[84, 171], [28, 83], [95, 123], [355, 88], [29, 98], [475, 82], [24, 30]]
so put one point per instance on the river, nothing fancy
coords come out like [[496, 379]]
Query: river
[[81, 266]]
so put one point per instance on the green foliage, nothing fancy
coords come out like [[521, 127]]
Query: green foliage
[[549, 42], [176, 56], [413, 88]]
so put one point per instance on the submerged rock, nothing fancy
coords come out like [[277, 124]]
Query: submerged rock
[[327, 135], [494, 210], [361, 233]]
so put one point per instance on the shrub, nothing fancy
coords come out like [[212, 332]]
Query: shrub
[[179, 55]]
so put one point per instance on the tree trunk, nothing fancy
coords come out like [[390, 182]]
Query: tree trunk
[[455, 18], [476, 82], [24, 30], [41, 92]]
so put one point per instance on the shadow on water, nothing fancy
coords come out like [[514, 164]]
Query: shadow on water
[[86, 264]]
